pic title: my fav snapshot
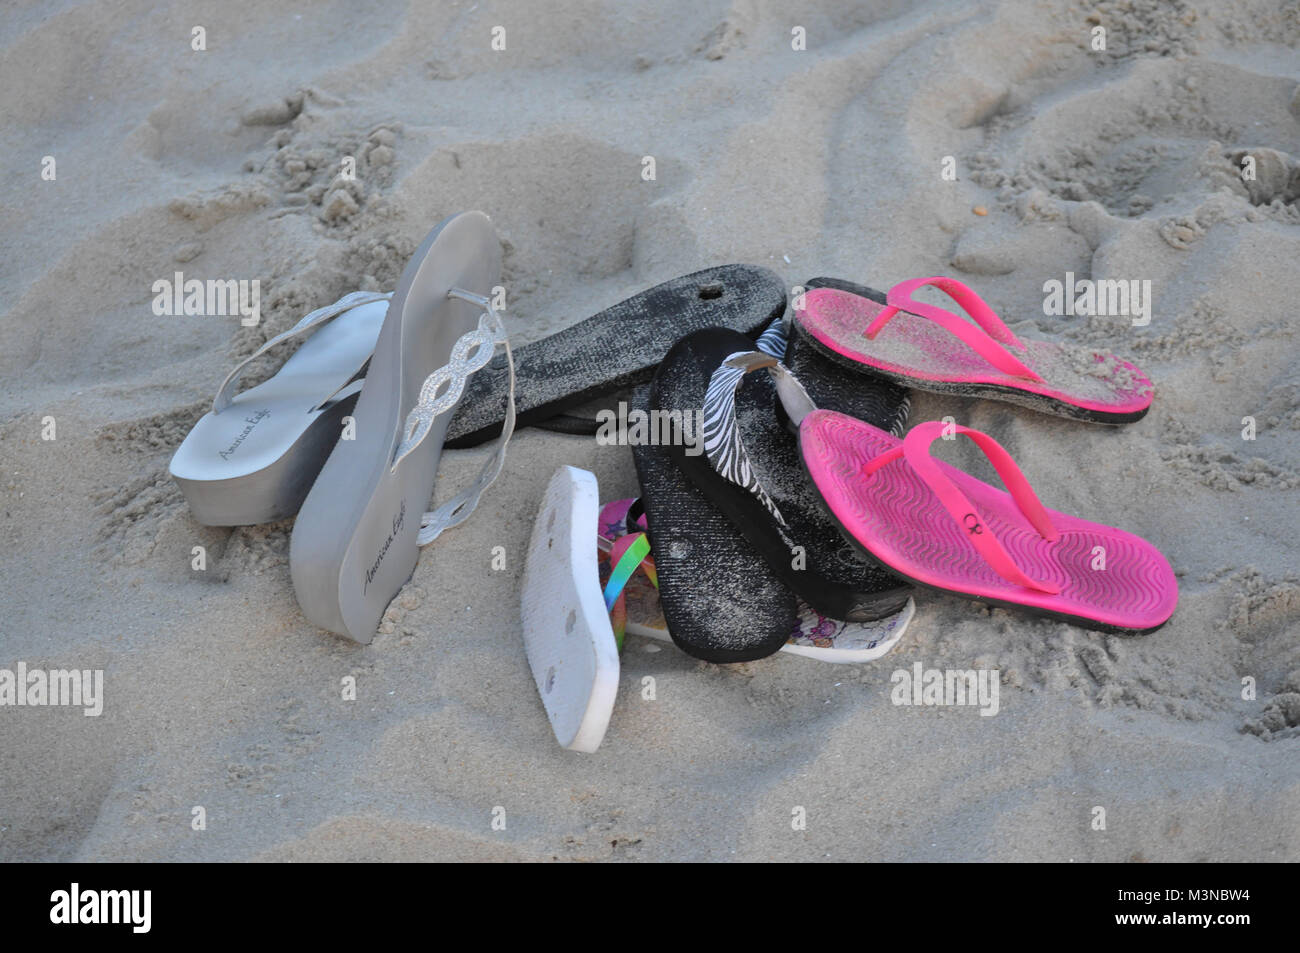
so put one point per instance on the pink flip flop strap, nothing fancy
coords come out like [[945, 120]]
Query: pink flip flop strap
[[989, 340], [915, 449]]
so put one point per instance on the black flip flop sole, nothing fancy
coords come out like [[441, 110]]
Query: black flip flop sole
[[721, 601], [615, 349]]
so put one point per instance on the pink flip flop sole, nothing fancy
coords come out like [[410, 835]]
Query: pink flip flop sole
[[1106, 577], [918, 345]]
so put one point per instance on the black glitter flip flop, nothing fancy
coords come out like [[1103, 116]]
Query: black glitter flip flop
[[722, 600], [615, 349]]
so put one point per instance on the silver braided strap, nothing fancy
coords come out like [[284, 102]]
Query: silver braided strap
[[470, 353], [722, 443], [226, 393]]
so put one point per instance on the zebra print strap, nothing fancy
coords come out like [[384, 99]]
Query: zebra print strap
[[774, 340], [722, 443]]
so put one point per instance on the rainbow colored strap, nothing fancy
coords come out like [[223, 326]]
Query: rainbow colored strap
[[634, 556]]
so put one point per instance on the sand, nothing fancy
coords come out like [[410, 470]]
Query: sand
[[223, 163]]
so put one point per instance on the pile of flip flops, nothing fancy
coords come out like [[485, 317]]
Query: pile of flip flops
[[783, 506]]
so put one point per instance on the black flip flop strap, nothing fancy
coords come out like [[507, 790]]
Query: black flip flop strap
[[632, 522]]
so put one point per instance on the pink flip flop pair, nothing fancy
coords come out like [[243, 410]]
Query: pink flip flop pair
[[939, 527]]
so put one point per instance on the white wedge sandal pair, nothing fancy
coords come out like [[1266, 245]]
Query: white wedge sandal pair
[[355, 457]]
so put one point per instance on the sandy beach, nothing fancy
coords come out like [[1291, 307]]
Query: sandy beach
[[988, 141]]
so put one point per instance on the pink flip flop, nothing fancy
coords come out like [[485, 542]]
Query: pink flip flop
[[936, 526], [929, 348]]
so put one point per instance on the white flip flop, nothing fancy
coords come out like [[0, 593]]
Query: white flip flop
[[357, 537], [568, 638], [254, 456], [567, 597]]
